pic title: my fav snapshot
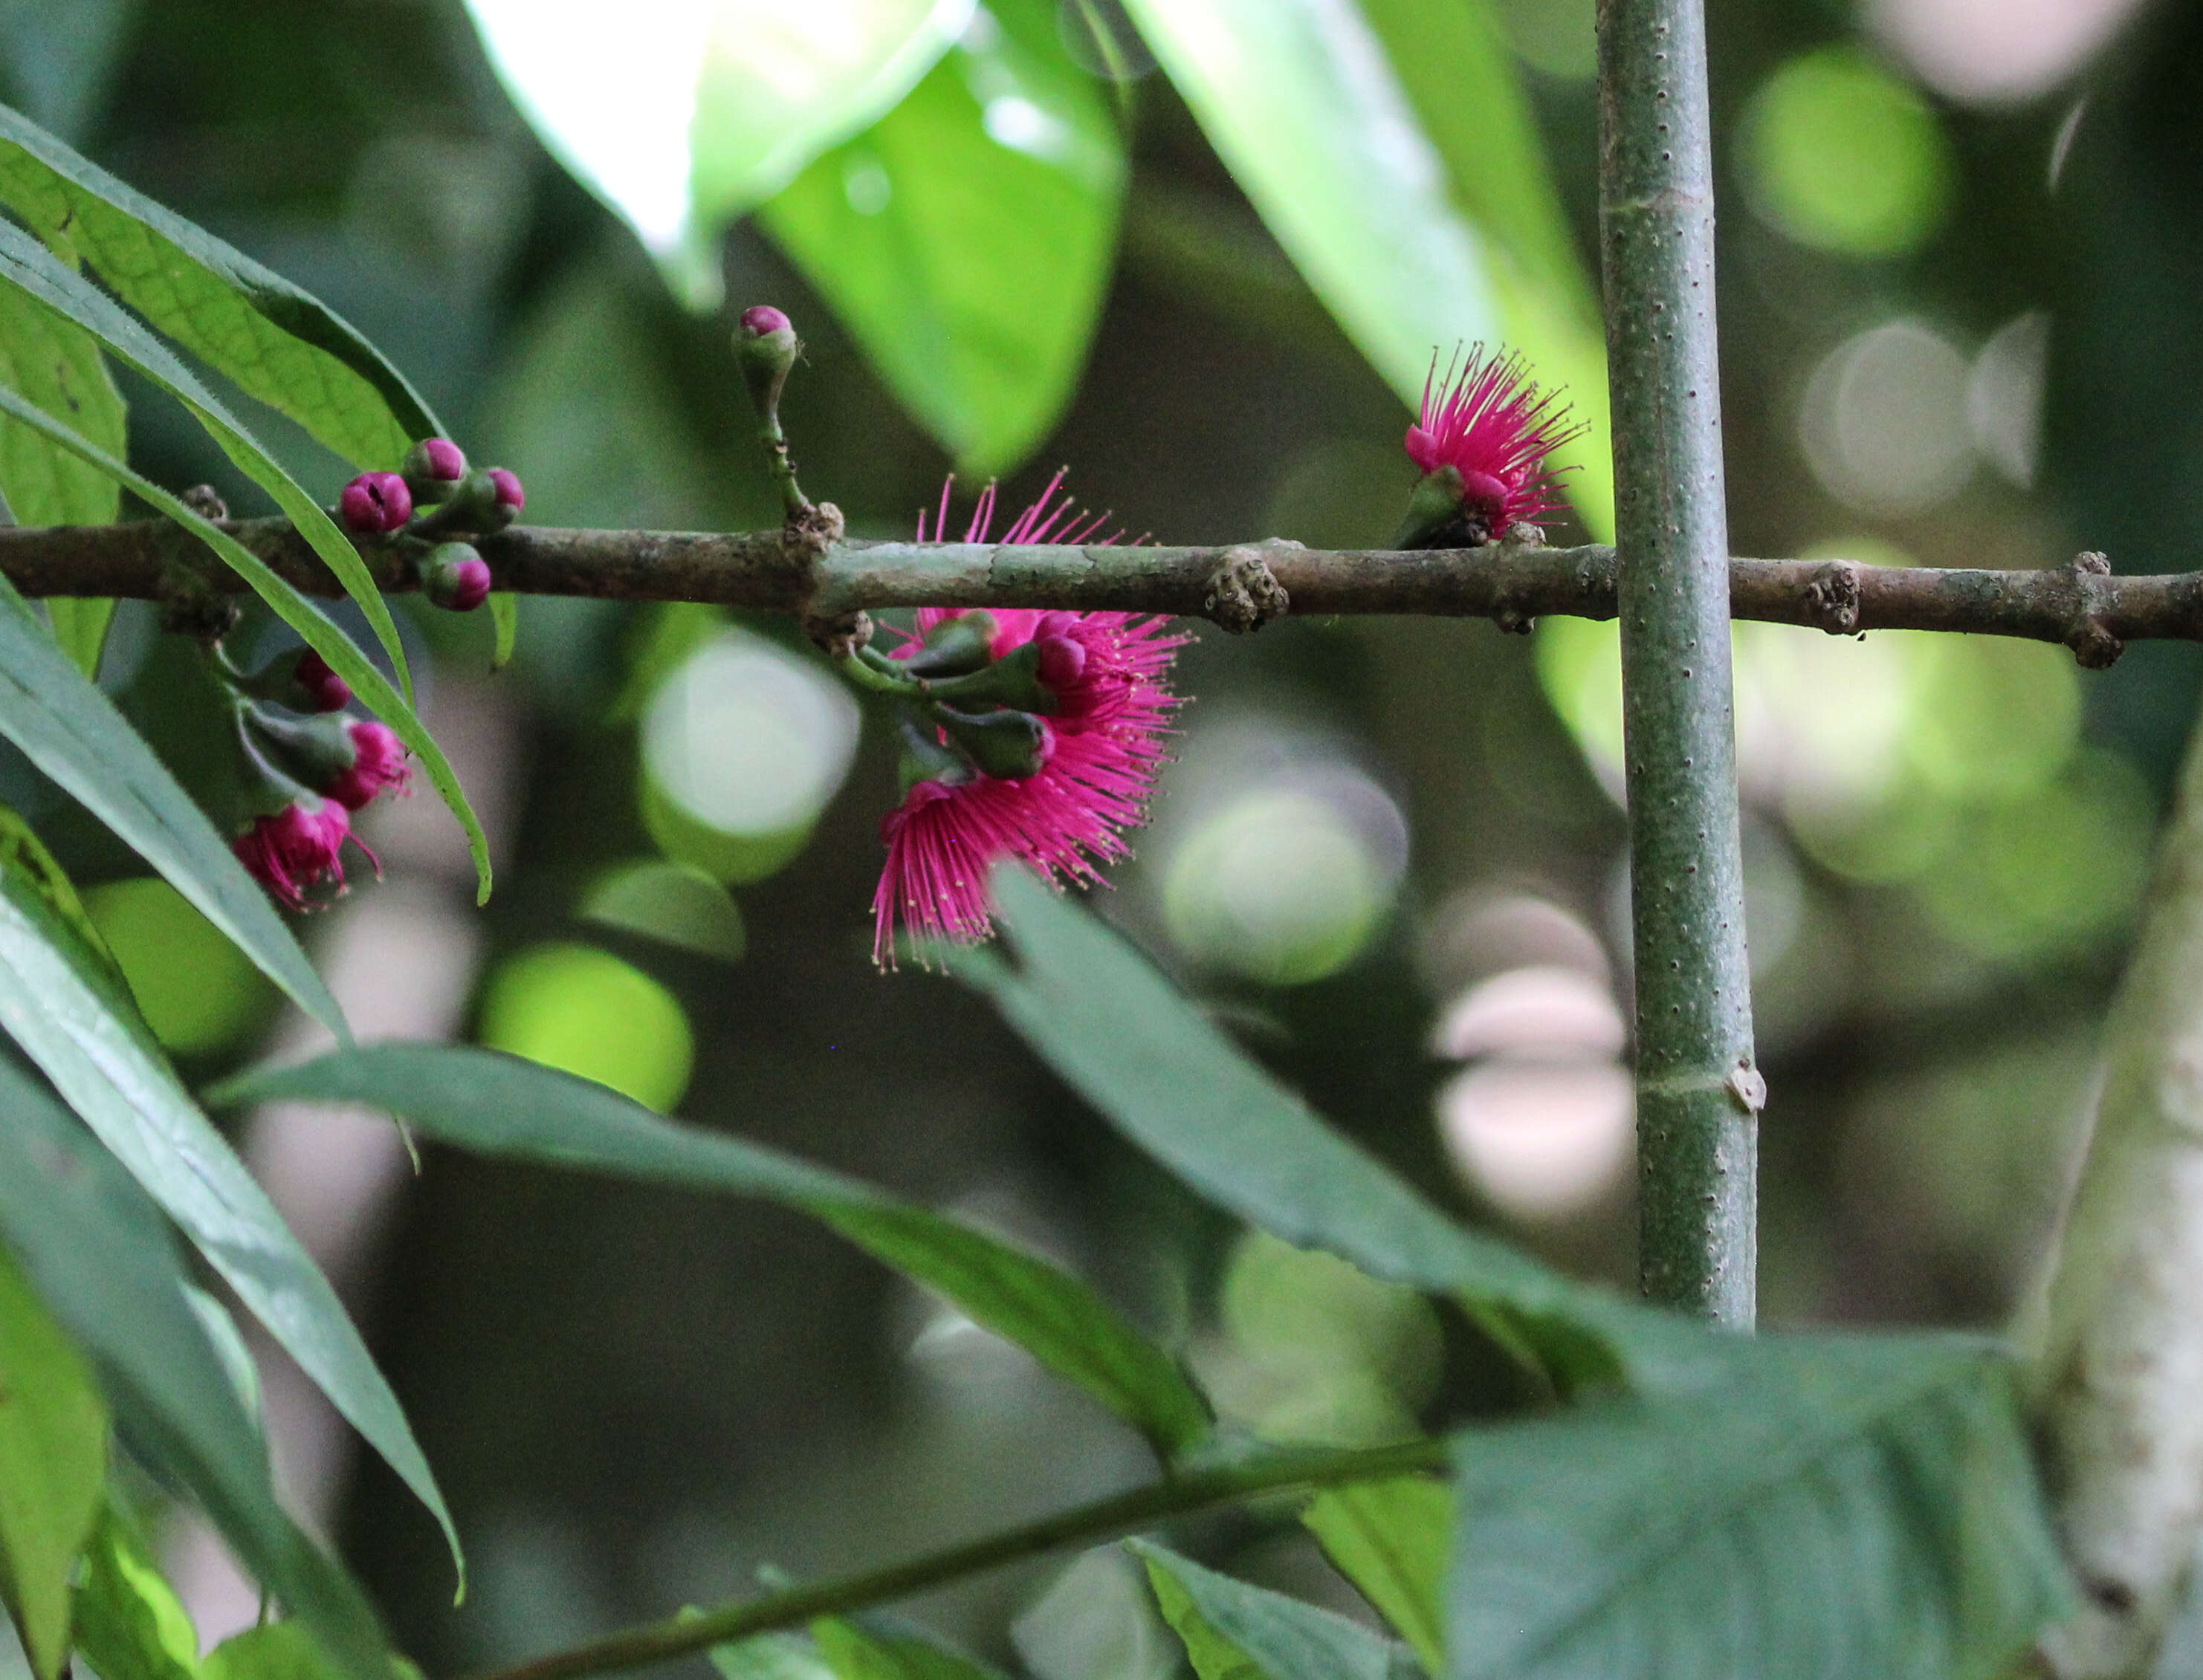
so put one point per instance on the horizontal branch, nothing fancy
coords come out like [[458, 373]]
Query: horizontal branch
[[2081, 605], [1088, 1525]]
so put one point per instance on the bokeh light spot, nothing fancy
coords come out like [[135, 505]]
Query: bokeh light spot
[[584, 1010], [196, 990], [1884, 421], [1844, 157]]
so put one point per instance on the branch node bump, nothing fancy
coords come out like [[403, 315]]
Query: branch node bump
[[812, 530], [839, 634], [1523, 535], [1834, 597], [1243, 593], [2092, 563], [2095, 647], [1512, 620], [191, 604]]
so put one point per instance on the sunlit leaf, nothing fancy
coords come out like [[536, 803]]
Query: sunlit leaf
[[495, 1104], [966, 238], [40, 276], [886, 1651], [100, 1257], [505, 620], [53, 1466], [71, 732], [1848, 1507], [1392, 1539], [129, 1621], [61, 1002], [57, 365], [1161, 1070], [374, 689], [276, 342], [1236, 1631]]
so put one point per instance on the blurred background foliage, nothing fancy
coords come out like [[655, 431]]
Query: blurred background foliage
[[1203, 251]]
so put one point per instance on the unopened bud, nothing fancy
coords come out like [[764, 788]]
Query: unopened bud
[[1011, 744], [374, 503], [455, 576], [433, 468], [324, 690], [765, 346], [963, 643], [510, 498]]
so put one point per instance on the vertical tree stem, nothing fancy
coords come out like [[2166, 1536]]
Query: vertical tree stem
[[1698, 1094]]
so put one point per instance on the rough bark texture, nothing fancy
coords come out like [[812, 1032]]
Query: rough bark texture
[[1698, 1092], [2079, 605], [2116, 1334]]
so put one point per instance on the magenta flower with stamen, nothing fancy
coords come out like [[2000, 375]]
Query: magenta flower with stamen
[[378, 764], [1107, 672], [297, 848], [1487, 422]]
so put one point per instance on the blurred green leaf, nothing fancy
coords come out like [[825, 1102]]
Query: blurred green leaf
[[676, 904], [1235, 1631], [62, 1001], [99, 1254], [1153, 1063], [129, 1621], [1392, 1539], [770, 1656], [57, 365], [581, 1009], [890, 1653], [1866, 1506], [53, 1466], [48, 282], [498, 1105], [71, 732], [966, 238], [505, 620], [277, 343], [1455, 66], [369, 684], [275, 1651]]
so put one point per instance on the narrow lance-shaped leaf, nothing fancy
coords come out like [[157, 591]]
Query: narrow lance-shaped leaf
[[63, 1004], [100, 1258], [278, 343], [44, 279], [505, 620], [1236, 1631], [1852, 1507], [881, 1648], [497, 1104], [57, 365], [373, 688], [1166, 1077], [66, 726], [53, 1467], [128, 1621], [1392, 1539]]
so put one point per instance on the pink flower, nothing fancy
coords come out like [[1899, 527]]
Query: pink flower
[[376, 503], [296, 848], [378, 763], [325, 690], [760, 318], [1491, 425], [1102, 748], [510, 496]]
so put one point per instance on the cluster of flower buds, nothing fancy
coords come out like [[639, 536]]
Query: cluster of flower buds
[[307, 767], [428, 510]]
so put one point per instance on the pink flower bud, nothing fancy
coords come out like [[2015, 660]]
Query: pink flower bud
[[378, 764], [326, 690], [376, 503], [510, 496], [295, 848], [760, 318], [433, 470], [455, 576]]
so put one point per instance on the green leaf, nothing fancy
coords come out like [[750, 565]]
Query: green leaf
[[966, 238], [1831, 1505], [53, 1467], [1298, 100], [62, 1003], [278, 1651], [497, 1104], [1461, 77], [1235, 1631], [770, 1656], [505, 620], [1123, 1037], [1391, 1540], [278, 344], [67, 727], [888, 1650], [51, 283], [99, 1255], [373, 688], [129, 1621]]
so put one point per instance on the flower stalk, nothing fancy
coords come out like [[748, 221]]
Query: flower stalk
[[1698, 1092]]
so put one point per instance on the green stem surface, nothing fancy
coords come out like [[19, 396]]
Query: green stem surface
[[1697, 1091], [1106, 1519]]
